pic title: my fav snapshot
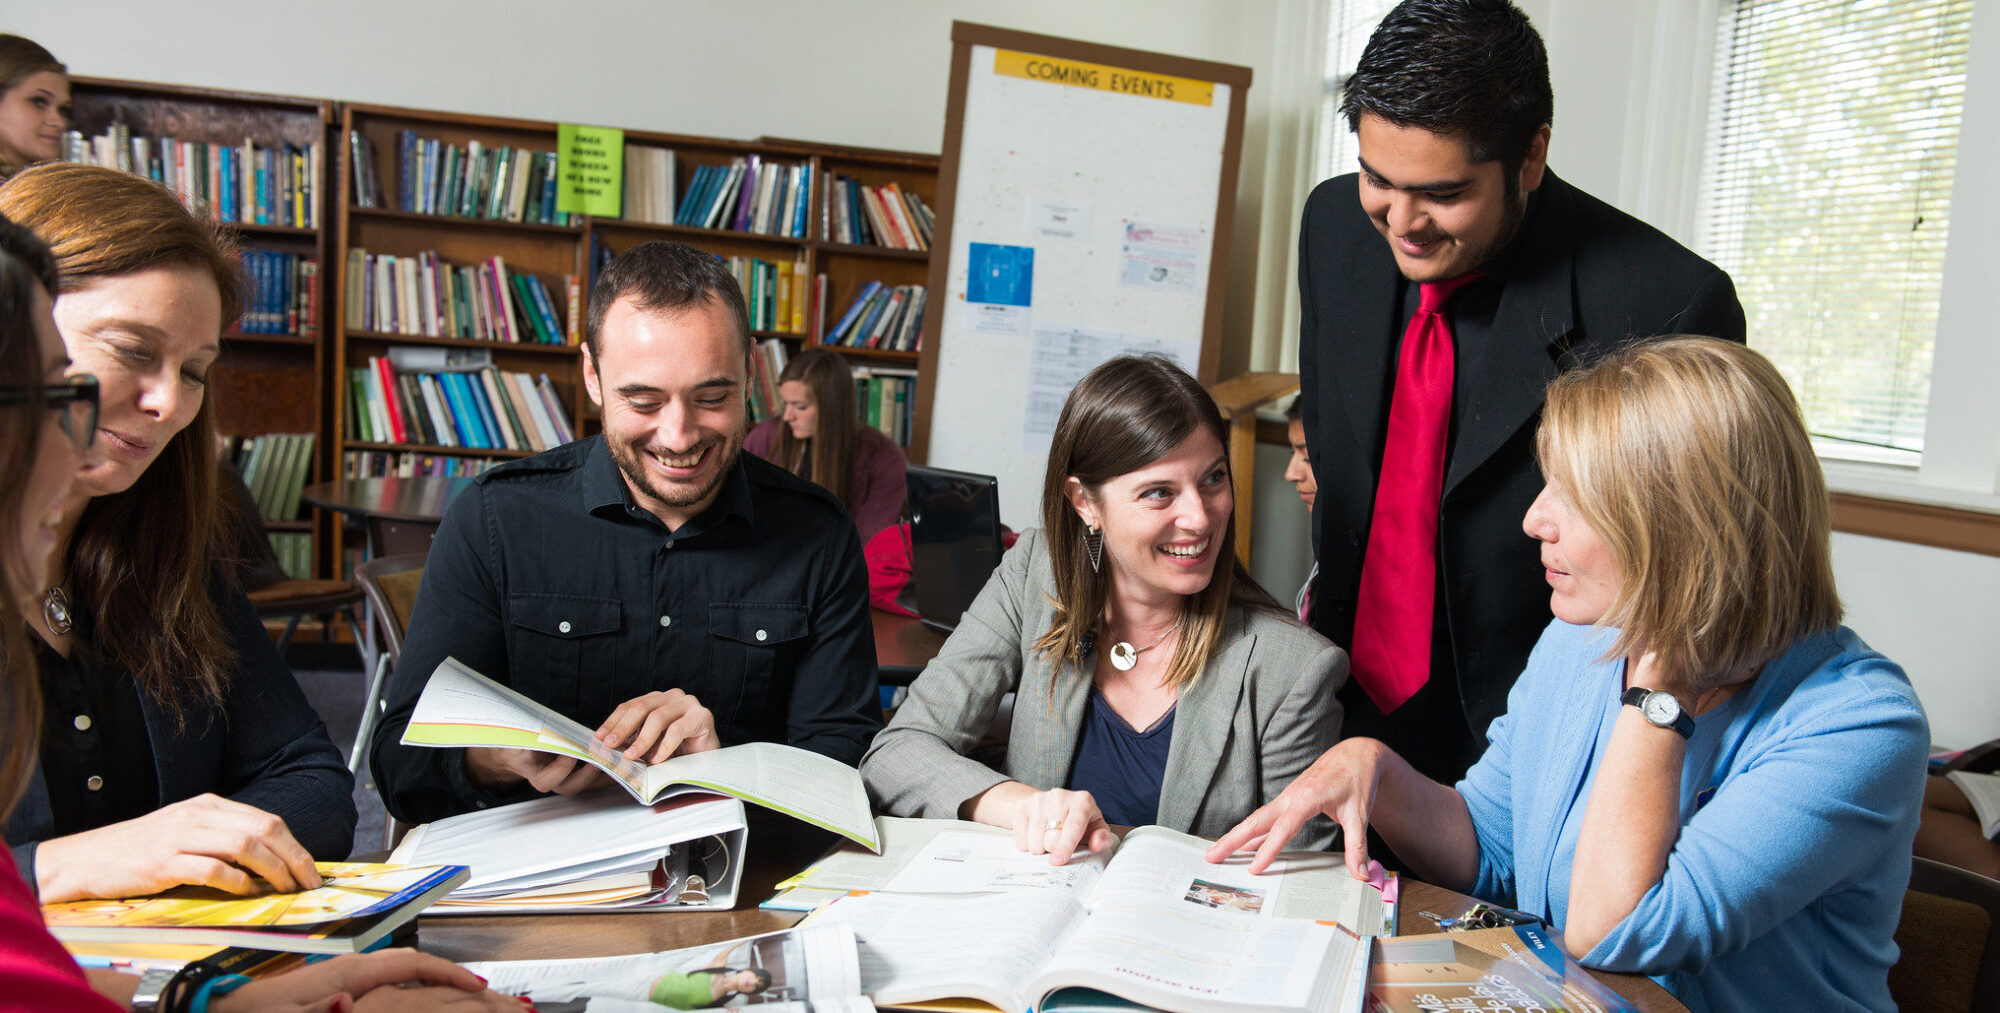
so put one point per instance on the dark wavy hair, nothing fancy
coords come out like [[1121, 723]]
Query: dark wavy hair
[[665, 275], [26, 266], [1475, 68], [1127, 413], [141, 560]]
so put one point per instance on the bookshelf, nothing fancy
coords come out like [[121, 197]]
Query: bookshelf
[[269, 378]]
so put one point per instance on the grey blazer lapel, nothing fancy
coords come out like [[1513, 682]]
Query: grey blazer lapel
[[1048, 721], [1203, 721]]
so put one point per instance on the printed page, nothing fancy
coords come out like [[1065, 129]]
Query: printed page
[[916, 947], [973, 862], [1157, 864], [460, 707], [560, 833], [1197, 955], [816, 964], [817, 789], [901, 837], [1983, 791]]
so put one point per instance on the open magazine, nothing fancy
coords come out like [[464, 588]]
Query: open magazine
[[460, 708], [803, 969], [968, 917], [1506, 970]]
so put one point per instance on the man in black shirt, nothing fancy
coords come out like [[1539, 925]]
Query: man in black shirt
[[653, 580]]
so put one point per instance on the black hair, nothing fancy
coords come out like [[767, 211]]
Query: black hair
[[665, 275], [1475, 68]]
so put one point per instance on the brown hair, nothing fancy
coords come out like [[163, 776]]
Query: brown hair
[[665, 275], [830, 383], [141, 560], [25, 265], [1689, 458], [1127, 413]]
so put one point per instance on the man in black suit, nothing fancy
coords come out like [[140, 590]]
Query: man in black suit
[[1451, 106]]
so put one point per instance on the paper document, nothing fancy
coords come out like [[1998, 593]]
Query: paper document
[[808, 968]]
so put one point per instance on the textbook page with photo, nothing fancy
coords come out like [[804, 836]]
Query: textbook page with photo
[[461, 708], [800, 970], [967, 916]]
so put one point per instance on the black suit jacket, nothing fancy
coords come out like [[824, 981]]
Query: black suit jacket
[[1586, 277]]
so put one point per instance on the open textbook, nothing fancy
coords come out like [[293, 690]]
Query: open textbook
[[795, 971], [1983, 791], [1506, 970], [592, 853], [459, 708], [965, 916]]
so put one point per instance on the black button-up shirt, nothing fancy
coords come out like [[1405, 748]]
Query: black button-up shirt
[[546, 577]]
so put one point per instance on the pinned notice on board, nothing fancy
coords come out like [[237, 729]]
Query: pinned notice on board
[[1000, 283], [590, 170], [1097, 76], [1158, 256]]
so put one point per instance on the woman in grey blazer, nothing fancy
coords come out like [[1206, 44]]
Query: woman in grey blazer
[[1155, 681]]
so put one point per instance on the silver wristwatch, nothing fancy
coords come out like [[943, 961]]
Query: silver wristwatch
[[1661, 708], [152, 988]]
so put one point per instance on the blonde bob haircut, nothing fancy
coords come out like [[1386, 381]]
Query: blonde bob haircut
[[1689, 458]]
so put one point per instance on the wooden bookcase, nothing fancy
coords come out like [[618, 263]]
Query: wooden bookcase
[[262, 383]]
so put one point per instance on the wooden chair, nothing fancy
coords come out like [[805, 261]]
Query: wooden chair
[[398, 536], [296, 599], [390, 585], [1950, 941]]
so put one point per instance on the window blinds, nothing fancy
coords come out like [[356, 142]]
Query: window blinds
[[1833, 150], [1348, 25]]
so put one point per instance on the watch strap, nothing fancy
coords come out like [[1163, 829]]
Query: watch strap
[[1635, 696], [153, 984]]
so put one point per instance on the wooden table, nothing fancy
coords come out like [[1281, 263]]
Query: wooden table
[[778, 848], [903, 646]]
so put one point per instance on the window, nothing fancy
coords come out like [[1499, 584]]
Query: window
[[1832, 157], [1349, 23]]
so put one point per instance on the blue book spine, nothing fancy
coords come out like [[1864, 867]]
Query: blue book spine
[[853, 310], [800, 216], [464, 415], [549, 212], [489, 413], [877, 305], [406, 171]]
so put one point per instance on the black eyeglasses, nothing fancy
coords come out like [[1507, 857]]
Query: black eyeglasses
[[75, 398]]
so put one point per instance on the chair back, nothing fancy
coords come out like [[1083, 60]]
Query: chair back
[[1950, 940], [396, 536], [390, 583]]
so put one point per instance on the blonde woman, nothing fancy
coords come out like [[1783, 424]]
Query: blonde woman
[[1701, 775]]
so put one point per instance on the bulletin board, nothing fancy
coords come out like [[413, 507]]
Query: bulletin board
[[1084, 206]]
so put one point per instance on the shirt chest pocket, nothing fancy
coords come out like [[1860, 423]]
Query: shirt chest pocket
[[564, 648], [753, 648]]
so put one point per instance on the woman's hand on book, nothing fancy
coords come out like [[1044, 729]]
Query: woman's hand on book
[[206, 840], [385, 980], [1055, 823], [1342, 784], [653, 727]]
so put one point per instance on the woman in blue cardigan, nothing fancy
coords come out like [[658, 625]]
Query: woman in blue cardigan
[[1701, 776]]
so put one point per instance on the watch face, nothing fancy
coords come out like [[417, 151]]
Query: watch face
[[1661, 708]]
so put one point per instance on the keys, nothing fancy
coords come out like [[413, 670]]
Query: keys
[[1483, 916]]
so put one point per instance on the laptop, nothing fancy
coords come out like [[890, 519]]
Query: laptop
[[954, 541]]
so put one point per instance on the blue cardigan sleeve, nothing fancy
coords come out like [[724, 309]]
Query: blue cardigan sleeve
[[1812, 806]]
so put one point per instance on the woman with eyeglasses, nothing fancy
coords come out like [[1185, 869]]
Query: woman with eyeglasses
[[47, 421], [177, 748]]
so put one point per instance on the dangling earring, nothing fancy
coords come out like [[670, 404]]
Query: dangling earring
[[1093, 544]]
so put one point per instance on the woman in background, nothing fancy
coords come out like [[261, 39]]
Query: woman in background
[[47, 420], [34, 105], [1701, 775], [1155, 682], [177, 746], [820, 437]]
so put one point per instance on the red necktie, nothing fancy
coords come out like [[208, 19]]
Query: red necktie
[[1394, 611]]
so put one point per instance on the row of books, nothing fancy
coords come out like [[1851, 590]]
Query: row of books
[[765, 366], [485, 409], [886, 400], [774, 292], [284, 293], [876, 215], [409, 463], [882, 316], [244, 183], [294, 550], [435, 177], [275, 467], [427, 295], [748, 195]]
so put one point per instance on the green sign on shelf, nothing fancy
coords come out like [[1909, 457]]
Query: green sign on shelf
[[590, 169]]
